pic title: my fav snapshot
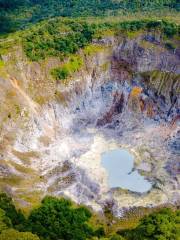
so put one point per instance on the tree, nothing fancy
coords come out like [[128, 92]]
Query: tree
[[7, 205], [6, 23], [5, 222], [10, 4], [157, 226], [57, 219], [36, 10], [12, 234]]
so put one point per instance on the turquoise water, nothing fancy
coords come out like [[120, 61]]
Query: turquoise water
[[119, 165]]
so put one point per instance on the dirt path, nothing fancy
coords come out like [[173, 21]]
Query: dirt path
[[33, 106]]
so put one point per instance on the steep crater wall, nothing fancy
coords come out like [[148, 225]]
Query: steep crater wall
[[113, 101]]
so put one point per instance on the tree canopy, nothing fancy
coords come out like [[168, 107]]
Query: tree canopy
[[11, 234], [15, 14], [58, 219], [7, 205], [5, 222], [57, 37], [163, 225]]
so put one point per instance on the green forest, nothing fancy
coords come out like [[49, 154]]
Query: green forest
[[16, 14], [60, 218], [68, 36]]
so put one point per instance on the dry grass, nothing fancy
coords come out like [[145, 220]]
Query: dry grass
[[25, 156]]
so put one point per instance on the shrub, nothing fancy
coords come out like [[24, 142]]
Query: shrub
[[60, 73], [170, 46], [67, 69]]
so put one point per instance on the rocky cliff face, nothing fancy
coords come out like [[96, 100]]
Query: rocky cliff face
[[158, 67], [53, 135]]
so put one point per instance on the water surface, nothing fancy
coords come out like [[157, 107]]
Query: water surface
[[119, 165]]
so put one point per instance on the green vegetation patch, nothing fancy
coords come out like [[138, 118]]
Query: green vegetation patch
[[5, 222], [17, 14], [92, 49], [67, 69], [63, 37], [57, 219], [1, 63], [7, 205], [169, 29], [163, 225], [62, 219], [12, 234], [170, 46], [57, 38]]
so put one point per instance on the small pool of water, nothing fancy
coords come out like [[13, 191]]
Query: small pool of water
[[119, 165]]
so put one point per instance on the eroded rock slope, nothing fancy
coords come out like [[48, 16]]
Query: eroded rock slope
[[53, 135]]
